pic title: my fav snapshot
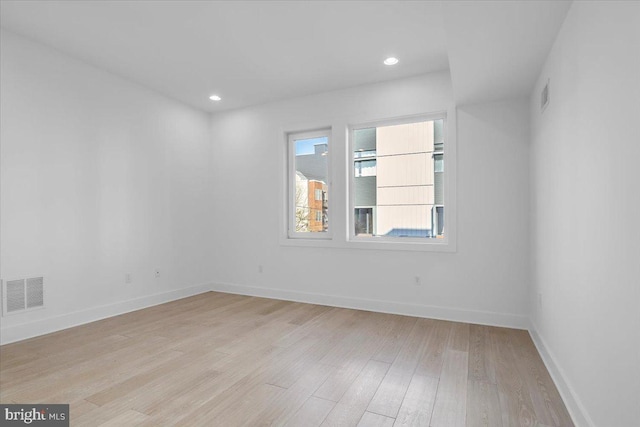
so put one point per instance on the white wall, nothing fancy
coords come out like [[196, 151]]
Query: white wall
[[99, 178], [586, 212], [484, 281]]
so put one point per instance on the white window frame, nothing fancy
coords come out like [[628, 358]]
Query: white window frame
[[291, 187], [405, 243], [342, 174]]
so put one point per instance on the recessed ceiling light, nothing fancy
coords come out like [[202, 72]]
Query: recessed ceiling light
[[391, 61], [215, 98]]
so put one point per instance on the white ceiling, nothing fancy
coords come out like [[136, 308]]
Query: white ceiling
[[497, 48], [255, 52], [247, 52]]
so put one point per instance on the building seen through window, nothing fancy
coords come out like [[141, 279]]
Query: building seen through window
[[311, 199], [398, 183]]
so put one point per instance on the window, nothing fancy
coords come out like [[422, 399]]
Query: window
[[364, 221], [439, 221], [308, 211], [438, 160], [393, 192], [397, 189], [365, 168]]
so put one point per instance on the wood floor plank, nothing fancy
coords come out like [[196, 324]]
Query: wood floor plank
[[327, 340], [243, 373], [327, 323], [396, 338], [544, 395], [309, 313], [312, 413], [128, 418], [242, 411], [483, 405], [48, 364], [288, 375], [87, 377], [430, 363], [354, 340], [450, 407], [353, 404], [482, 361], [237, 360], [135, 382], [80, 407], [338, 383], [355, 358], [369, 419], [292, 399], [459, 337], [417, 405], [390, 394], [155, 395], [515, 401]]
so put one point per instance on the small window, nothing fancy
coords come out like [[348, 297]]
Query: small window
[[308, 184], [397, 190], [438, 163], [439, 221], [364, 153], [364, 221], [364, 168]]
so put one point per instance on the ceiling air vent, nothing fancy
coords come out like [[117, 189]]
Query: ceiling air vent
[[544, 97], [22, 294]]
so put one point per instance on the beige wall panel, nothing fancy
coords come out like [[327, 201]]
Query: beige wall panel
[[406, 217], [422, 195], [407, 138], [410, 169]]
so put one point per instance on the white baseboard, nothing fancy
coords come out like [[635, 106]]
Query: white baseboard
[[576, 409], [417, 310], [45, 326]]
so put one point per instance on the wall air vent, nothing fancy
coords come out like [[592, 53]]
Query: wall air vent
[[544, 97], [35, 292], [21, 295]]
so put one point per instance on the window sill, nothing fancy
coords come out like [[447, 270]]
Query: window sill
[[433, 245], [402, 244]]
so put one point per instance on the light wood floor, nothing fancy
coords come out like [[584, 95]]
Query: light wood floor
[[227, 360]]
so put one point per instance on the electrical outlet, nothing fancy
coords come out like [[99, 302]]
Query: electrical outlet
[[157, 272], [417, 281], [127, 278]]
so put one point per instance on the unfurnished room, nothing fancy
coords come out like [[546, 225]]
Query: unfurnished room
[[320, 213]]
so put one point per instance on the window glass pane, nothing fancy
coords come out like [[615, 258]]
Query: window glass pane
[[364, 221], [364, 153], [438, 163], [438, 132], [311, 200], [398, 180], [440, 220], [365, 168]]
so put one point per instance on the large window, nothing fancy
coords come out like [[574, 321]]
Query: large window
[[397, 186], [377, 185], [308, 189]]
